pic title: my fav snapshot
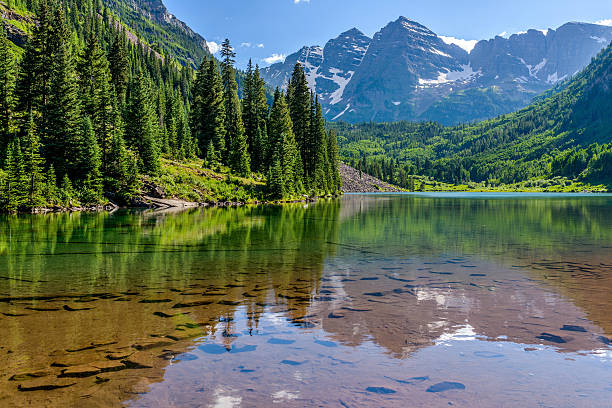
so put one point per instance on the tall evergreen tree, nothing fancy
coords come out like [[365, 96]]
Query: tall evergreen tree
[[61, 124], [319, 136], [299, 100], [236, 142], [208, 109], [14, 194], [6, 93], [140, 127], [283, 146], [34, 79], [33, 169], [89, 164], [254, 113], [96, 95], [119, 65]]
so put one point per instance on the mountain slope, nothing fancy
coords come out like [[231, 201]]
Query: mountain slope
[[407, 72], [561, 135], [164, 32]]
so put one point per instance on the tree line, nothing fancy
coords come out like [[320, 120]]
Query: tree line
[[86, 109], [567, 134]]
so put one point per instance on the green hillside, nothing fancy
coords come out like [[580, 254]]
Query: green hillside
[[566, 135]]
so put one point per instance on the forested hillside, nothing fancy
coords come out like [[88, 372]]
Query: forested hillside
[[89, 111], [567, 135]]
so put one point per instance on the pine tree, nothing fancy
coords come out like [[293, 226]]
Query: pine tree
[[186, 148], [34, 79], [96, 95], [88, 159], [6, 93], [51, 192], [119, 66], [14, 187], [61, 125], [237, 156], [276, 184], [33, 169], [208, 109], [211, 160], [122, 176], [321, 166], [139, 126], [283, 145], [255, 112], [299, 100], [66, 193]]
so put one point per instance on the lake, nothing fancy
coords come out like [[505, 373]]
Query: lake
[[424, 300]]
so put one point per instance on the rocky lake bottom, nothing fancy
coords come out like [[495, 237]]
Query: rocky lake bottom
[[398, 300]]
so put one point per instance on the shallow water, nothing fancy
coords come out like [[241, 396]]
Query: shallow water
[[476, 300]]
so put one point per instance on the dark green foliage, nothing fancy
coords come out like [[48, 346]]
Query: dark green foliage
[[33, 169], [560, 135], [140, 129], [255, 113], [6, 92], [119, 66], [89, 164], [61, 125], [208, 109], [299, 101], [14, 192], [94, 106], [319, 147]]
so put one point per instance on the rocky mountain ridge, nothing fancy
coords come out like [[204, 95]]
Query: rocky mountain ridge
[[407, 72]]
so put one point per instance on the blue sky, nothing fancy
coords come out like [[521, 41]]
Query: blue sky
[[262, 29]]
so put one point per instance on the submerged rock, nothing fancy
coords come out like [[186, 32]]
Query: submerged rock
[[380, 390], [29, 376], [46, 385], [446, 386], [274, 340], [571, 328], [553, 338]]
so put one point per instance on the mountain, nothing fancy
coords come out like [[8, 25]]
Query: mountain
[[407, 72], [165, 33], [568, 134]]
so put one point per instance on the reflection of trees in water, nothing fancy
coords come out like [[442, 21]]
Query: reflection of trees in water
[[430, 226], [151, 282], [215, 262]]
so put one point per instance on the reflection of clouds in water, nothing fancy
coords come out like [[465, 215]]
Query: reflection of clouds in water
[[225, 401], [276, 319], [284, 395], [464, 333], [603, 354]]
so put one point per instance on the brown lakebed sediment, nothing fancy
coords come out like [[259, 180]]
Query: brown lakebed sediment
[[298, 307]]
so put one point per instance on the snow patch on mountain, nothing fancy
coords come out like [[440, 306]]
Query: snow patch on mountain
[[342, 82], [599, 39], [466, 74], [554, 78], [343, 112]]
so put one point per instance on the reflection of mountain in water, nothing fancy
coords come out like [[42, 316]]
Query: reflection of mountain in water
[[104, 304]]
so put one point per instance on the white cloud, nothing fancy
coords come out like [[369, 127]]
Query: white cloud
[[503, 34], [260, 45], [300, 1], [274, 58], [467, 45], [246, 44], [605, 22], [213, 47]]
